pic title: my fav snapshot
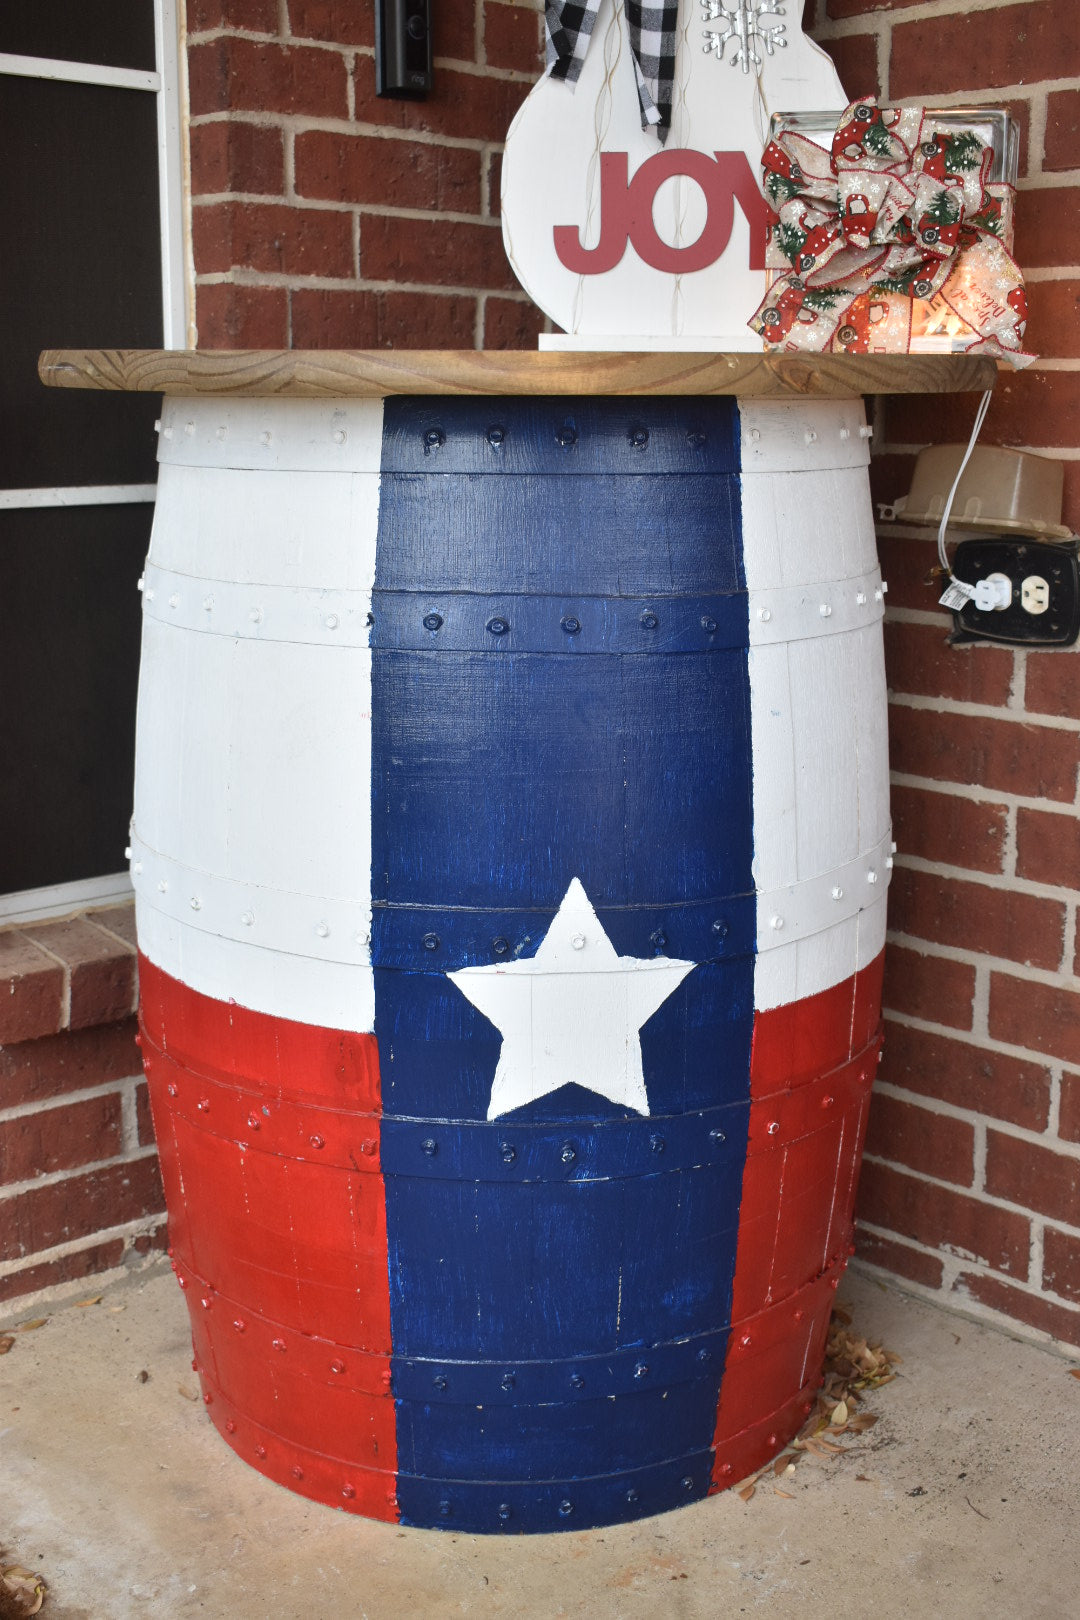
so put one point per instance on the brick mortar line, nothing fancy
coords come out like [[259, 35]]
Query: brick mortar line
[[1049, 978], [61, 1251], [961, 1304], [65, 1099], [1000, 882], [1037, 1253], [938, 1105], [483, 70], [1053, 1114], [977, 1118], [129, 1120], [986, 1043], [300, 124], [982, 1043], [1018, 684], [323, 205], [975, 793], [952, 1265], [875, 1230], [348, 284], [984, 711], [1010, 850], [350, 54], [335, 47], [288, 172], [207, 36], [949, 1260], [480, 31], [978, 1159], [52, 1178], [928, 11], [65, 983], [107, 929], [980, 1000], [487, 164], [1011, 710], [938, 618], [1037, 132], [990, 1200], [1069, 932]]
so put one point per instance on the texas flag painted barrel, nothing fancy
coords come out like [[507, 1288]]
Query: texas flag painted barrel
[[510, 849]]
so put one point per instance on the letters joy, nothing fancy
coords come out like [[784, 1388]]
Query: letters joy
[[626, 213]]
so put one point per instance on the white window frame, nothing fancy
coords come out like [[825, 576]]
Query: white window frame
[[168, 84]]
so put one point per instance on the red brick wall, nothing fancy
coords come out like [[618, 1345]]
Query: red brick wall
[[971, 1187], [79, 1185], [326, 217]]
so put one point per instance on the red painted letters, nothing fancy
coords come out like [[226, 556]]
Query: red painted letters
[[627, 213]]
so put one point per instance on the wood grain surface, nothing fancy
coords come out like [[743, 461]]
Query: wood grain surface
[[375, 373]]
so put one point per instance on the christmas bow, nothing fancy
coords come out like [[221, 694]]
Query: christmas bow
[[902, 208], [569, 25]]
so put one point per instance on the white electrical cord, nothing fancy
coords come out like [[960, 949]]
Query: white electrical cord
[[980, 418]]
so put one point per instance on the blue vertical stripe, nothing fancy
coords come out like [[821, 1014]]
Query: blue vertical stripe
[[560, 691]]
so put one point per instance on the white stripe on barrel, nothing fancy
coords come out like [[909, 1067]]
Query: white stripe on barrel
[[251, 844]]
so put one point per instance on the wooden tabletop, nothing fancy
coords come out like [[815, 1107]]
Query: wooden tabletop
[[374, 373]]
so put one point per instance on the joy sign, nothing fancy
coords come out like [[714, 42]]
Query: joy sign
[[620, 239]]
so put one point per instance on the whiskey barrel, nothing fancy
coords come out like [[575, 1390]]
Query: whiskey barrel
[[510, 848]]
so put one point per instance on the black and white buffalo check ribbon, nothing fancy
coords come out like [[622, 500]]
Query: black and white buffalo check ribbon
[[652, 45]]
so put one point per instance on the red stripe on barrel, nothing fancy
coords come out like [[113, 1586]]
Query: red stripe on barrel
[[811, 1068], [268, 1133]]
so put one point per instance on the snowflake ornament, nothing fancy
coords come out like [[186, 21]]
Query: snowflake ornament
[[745, 28]]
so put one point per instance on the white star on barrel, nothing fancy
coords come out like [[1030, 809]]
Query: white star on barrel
[[571, 1014]]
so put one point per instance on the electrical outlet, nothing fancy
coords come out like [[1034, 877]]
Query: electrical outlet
[[1042, 606]]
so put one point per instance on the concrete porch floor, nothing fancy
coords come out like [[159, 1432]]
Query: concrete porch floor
[[962, 1502]]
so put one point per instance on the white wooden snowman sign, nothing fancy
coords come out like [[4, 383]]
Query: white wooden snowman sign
[[632, 235]]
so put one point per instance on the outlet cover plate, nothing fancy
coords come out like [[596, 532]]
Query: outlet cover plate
[[1020, 560]]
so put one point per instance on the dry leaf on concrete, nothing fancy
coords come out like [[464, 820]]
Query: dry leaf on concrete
[[853, 1368], [34, 1322], [23, 1591], [81, 1304], [7, 1342], [188, 1394]]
